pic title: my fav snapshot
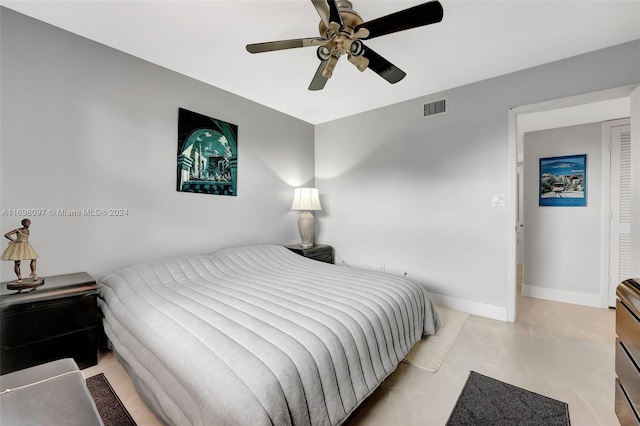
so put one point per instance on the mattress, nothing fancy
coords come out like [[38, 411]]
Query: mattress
[[258, 335]]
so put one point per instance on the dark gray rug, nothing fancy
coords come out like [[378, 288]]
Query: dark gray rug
[[487, 401], [111, 409]]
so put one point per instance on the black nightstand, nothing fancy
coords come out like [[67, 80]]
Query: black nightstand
[[57, 320], [320, 252]]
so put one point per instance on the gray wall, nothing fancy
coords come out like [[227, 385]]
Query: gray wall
[[86, 126], [416, 193], [562, 245]]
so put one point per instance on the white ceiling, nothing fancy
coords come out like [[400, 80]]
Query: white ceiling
[[476, 40]]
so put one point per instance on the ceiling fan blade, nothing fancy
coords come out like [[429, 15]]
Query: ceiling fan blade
[[417, 16], [318, 81], [270, 46], [382, 67], [328, 11]]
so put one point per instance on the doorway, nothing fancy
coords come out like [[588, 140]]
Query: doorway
[[594, 107]]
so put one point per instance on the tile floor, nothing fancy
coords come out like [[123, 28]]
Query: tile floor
[[556, 349]]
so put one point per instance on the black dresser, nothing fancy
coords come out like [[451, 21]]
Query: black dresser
[[627, 389], [57, 320], [320, 252]]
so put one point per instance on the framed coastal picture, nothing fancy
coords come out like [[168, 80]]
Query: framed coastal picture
[[207, 155], [563, 181]]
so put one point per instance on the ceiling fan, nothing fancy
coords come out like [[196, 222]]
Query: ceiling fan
[[342, 31]]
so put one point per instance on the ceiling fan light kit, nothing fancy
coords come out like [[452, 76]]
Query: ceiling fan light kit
[[342, 31]]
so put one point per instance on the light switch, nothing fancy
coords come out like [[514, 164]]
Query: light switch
[[497, 200]]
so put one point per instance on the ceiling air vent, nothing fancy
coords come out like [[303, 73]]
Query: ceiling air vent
[[435, 108]]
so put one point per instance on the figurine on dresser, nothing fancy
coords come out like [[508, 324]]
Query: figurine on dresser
[[21, 249]]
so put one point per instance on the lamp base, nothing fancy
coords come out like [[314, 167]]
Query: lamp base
[[307, 228]]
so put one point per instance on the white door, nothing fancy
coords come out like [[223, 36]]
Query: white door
[[620, 217]]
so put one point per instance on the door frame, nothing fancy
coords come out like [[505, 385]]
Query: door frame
[[515, 151]]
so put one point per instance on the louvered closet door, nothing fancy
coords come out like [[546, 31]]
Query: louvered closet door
[[620, 225]]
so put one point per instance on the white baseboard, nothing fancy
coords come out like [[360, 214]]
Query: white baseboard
[[475, 308], [594, 300]]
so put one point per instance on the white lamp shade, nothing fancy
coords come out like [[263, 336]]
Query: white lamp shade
[[307, 199]]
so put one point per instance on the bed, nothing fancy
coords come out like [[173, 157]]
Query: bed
[[258, 335]]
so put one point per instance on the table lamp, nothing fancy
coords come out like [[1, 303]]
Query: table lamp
[[307, 200]]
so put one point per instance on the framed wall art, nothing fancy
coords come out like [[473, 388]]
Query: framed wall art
[[207, 154], [563, 181]]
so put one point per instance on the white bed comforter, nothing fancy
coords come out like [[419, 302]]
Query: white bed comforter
[[259, 335]]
